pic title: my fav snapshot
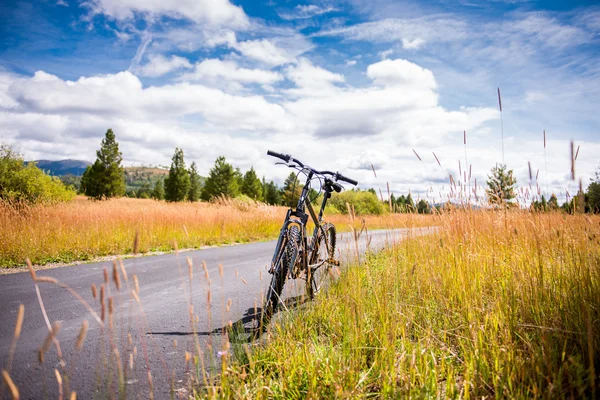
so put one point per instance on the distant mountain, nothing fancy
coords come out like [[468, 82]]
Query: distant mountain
[[63, 167]]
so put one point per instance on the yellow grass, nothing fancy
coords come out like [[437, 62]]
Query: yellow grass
[[84, 229], [493, 305]]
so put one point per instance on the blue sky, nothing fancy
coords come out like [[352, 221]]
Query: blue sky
[[341, 84]]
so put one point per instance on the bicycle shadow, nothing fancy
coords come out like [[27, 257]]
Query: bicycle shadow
[[245, 330]]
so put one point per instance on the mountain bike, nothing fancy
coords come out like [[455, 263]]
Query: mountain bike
[[298, 255]]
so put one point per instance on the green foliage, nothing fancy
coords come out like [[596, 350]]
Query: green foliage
[[410, 204], [593, 193], [177, 184], [195, 186], [71, 180], [159, 191], [20, 182], [553, 202], [106, 177], [423, 207], [291, 190], [251, 185], [501, 186], [222, 181], [272, 193], [144, 192], [364, 202]]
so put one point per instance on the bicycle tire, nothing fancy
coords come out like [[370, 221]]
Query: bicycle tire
[[279, 275], [318, 277]]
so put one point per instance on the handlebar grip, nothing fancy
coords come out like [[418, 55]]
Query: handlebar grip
[[284, 157], [341, 177]]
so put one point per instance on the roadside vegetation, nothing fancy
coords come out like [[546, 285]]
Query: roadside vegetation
[[493, 305], [83, 229]]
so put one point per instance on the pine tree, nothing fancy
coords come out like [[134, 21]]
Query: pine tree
[[410, 204], [106, 177], [177, 184], [291, 190], [222, 181], [501, 186], [423, 207], [251, 185], [159, 190], [195, 189], [593, 193], [272, 194]]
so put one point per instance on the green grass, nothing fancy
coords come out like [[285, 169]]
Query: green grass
[[486, 307]]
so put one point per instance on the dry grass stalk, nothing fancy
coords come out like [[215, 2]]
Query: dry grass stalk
[[60, 384], [417, 155], [16, 335], [123, 270], [116, 277], [94, 291], [46, 279], [14, 391], [48, 341], [136, 242], [30, 267], [136, 284], [151, 386], [82, 334], [190, 268]]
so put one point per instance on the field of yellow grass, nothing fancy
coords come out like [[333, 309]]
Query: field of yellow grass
[[490, 306], [84, 229]]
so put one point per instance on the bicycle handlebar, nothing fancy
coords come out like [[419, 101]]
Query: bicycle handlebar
[[287, 158]]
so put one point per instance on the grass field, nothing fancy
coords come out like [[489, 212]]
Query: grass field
[[84, 229], [494, 305]]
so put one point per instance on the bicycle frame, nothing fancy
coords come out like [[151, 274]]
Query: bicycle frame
[[300, 218]]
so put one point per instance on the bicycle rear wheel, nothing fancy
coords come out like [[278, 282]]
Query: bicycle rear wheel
[[319, 270], [282, 266]]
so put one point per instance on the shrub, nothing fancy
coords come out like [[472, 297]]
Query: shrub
[[363, 202], [20, 182]]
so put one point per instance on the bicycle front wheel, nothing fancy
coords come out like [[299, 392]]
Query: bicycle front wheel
[[319, 270], [282, 266]]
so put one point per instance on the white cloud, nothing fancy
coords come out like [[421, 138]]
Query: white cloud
[[401, 72], [275, 51], [350, 63], [306, 11], [311, 80], [412, 44], [159, 65], [209, 12], [385, 54], [217, 70]]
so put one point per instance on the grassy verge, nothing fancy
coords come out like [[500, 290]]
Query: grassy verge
[[492, 305], [84, 230]]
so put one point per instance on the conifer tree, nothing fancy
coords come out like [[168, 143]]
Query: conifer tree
[[501, 186], [177, 184], [251, 185], [159, 190], [222, 181], [106, 177], [194, 194], [410, 204], [291, 190], [272, 194]]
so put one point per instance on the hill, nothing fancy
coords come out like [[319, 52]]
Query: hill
[[62, 167]]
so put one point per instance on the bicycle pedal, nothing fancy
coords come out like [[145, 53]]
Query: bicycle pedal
[[333, 261]]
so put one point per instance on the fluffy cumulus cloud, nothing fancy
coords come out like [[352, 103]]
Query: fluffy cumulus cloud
[[215, 71], [320, 111], [159, 65], [210, 12]]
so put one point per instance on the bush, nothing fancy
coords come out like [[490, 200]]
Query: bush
[[363, 202], [20, 182]]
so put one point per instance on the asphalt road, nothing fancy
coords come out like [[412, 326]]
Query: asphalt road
[[152, 335]]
